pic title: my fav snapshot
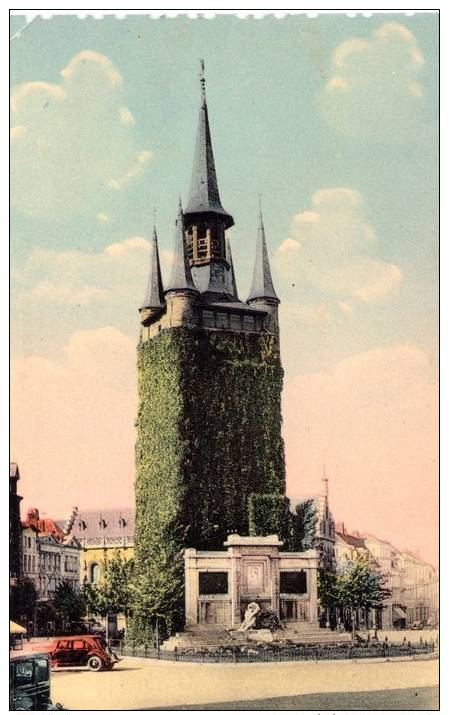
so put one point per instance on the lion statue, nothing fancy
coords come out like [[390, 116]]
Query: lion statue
[[249, 619]]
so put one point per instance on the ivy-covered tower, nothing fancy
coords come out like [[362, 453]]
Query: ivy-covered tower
[[210, 381]]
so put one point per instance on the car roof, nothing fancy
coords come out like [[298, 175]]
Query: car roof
[[80, 636], [28, 656]]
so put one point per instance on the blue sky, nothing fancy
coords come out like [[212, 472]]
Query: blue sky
[[333, 120]]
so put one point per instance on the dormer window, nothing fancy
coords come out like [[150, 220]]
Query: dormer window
[[102, 523]]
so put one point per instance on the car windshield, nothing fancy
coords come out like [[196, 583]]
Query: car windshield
[[24, 673]]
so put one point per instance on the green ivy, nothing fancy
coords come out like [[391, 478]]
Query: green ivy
[[208, 436], [269, 514]]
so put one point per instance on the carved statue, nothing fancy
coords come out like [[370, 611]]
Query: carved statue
[[249, 619], [268, 619]]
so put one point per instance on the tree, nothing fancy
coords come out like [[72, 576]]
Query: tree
[[360, 585], [68, 602], [327, 589], [303, 526], [114, 594], [23, 600]]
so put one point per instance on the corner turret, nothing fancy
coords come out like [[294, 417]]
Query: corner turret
[[262, 294], [181, 292], [154, 296]]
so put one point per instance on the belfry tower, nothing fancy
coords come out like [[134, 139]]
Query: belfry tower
[[210, 381]]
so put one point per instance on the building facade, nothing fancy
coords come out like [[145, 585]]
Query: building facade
[[413, 583], [103, 535], [51, 556]]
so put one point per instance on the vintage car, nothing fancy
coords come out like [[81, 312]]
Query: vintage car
[[29, 683], [82, 650]]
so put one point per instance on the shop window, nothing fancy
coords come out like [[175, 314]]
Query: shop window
[[213, 582]]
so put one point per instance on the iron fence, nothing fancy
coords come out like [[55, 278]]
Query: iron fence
[[248, 654]]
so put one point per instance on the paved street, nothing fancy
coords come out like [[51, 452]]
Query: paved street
[[404, 699], [143, 684]]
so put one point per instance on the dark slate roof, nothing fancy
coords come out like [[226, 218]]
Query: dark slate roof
[[262, 284], [105, 522], [204, 195], [230, 276], [181, 276], [355, 541], [154, 296]]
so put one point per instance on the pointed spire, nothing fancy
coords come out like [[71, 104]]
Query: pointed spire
[[181, 276], [204, 195], [154, 296], [231, 286], [262, 284], [325, 481]]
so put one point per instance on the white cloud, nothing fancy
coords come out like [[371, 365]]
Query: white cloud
[[115, 276], [137, 169], [72, 423], [374, 86], [69, 141], [374, 422], [329, 247]]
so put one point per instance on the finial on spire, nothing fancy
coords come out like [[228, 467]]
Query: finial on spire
[[202, 81], [260, 204]]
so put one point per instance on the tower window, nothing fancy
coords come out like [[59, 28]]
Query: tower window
[[222, 320], [236, 322], [248, 322], [208, 319]]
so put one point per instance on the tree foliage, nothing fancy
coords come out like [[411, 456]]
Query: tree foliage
[[23, 599], [114, 594], [68, 602], [327, 589], [303, 526], [360, 585], [269, 514]]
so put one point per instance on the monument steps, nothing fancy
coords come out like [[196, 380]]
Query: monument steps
[[207, 638]]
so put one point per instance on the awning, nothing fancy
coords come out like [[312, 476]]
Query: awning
[[399, 612], [15, 628]]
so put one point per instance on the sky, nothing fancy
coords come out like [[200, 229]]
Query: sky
[[334, 121]]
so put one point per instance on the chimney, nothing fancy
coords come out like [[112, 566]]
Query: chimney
[[70, 521], [356, 534], [33, 516]]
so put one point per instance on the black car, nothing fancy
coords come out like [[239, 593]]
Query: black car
[[29, 683]]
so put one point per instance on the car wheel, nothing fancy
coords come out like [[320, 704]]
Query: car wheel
[[94, 663]]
